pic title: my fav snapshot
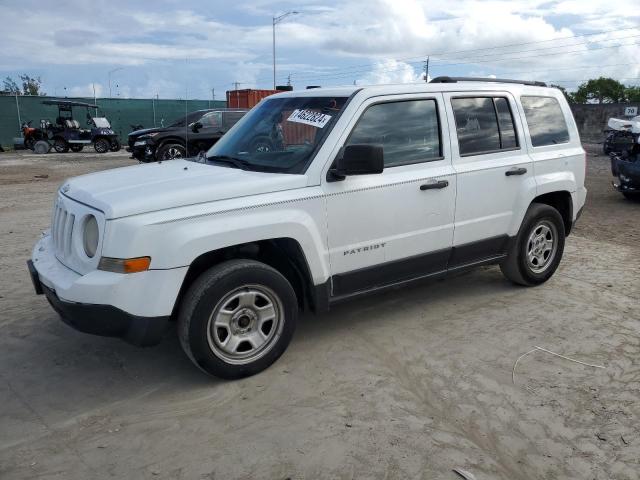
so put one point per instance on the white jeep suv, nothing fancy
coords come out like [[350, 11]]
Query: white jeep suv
[[315, 197]]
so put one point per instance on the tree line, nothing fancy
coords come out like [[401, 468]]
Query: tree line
[[602, 90]]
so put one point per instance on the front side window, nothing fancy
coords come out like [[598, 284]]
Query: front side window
[[484, 125], [212, 120], [407, 130], [546, 122], [279, 135]]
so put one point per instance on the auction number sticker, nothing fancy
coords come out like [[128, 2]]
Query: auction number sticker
[[309, 117]]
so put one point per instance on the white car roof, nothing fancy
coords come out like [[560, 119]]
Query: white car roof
[[408, 88]]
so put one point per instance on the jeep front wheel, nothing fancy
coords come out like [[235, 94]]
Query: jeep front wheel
[[536, 252], [237, 318]]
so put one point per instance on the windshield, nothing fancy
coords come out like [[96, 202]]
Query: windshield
[[190, 118], [279, 135]]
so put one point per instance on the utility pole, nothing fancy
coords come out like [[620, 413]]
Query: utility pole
[[110, 72], [274, 22], [94, 97], [426, 70]]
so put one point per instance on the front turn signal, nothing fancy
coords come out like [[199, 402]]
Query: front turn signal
[[124, 265]]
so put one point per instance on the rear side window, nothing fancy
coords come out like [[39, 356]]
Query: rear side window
[[408, 131], [546, 122], [484, 125]]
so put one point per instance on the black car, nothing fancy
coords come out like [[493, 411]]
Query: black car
[[625, 167], [187, 137]]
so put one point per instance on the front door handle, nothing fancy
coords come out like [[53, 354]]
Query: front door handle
[[434, 185], [515, 171]]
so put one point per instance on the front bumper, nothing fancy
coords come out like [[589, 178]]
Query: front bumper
[[143, 153], [135, 307]]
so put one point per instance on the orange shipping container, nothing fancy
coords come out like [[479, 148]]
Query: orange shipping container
[[247, 98]]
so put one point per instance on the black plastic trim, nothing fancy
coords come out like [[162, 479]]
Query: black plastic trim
[[470, 253], [389, 272], [429, 265], [108, 321]]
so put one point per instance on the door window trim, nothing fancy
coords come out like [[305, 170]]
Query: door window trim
[[417, 99], [495, 110]]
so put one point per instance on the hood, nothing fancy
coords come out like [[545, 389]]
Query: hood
[[158, 186], [144, 131]]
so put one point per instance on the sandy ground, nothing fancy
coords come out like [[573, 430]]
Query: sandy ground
[[405, 385]]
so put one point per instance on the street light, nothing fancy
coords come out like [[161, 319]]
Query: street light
[[110, 72], [277, 20]]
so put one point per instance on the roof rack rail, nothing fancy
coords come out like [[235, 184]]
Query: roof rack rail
[[445, 79]]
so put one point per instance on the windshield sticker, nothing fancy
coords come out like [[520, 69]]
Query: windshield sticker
[[309, 117]]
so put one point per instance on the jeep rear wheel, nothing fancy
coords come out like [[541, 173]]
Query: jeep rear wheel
[[101, 145], [536, 252], [237, 318], [60, 145], [171, 151]]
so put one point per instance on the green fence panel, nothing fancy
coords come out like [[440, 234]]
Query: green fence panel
[[122, 113]]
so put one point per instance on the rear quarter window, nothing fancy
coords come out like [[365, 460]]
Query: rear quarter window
[[545, 120]]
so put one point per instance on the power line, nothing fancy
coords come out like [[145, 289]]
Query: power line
[[474, 62], [352, 69]]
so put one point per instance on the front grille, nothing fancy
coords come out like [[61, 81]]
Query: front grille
[[62, 231]]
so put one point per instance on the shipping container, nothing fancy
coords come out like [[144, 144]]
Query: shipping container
[[247, 98]]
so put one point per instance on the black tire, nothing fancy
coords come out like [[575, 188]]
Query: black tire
[[60, 145], [76, 148], [516, 267], [633, 196], [101, 145], [171, 151], [41, 147], [214, 290], [115, 145], [28, 143]]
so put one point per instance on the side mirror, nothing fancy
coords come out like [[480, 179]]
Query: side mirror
[[196, 126], [358, 160]]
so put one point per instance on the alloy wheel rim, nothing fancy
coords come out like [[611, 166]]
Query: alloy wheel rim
[[542, 246], [245, 325], [173, 153]]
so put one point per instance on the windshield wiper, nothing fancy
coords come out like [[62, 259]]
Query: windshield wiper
[[233, 161]]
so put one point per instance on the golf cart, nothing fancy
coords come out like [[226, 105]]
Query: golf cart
[[66, 133]]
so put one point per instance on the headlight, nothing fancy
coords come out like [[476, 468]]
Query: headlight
[[90, 236]]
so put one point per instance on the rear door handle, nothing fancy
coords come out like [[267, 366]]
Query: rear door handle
[[515, 171], [434, 185]]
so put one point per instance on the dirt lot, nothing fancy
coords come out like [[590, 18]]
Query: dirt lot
[[405, 385]]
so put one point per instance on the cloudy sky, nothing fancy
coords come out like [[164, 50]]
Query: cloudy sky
[[178, 48]]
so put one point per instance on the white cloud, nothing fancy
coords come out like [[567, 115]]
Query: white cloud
[[329, 42], [86, 90], [391, 71]]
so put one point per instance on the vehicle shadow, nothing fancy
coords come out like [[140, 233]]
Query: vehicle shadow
[[55, 374]]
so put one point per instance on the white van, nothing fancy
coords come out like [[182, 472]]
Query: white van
[[315, 197]]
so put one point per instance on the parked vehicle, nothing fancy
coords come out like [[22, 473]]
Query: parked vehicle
[[197, 131], [360, 190], [31, 135], [621, 135], [625, 168], [66, 134]]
